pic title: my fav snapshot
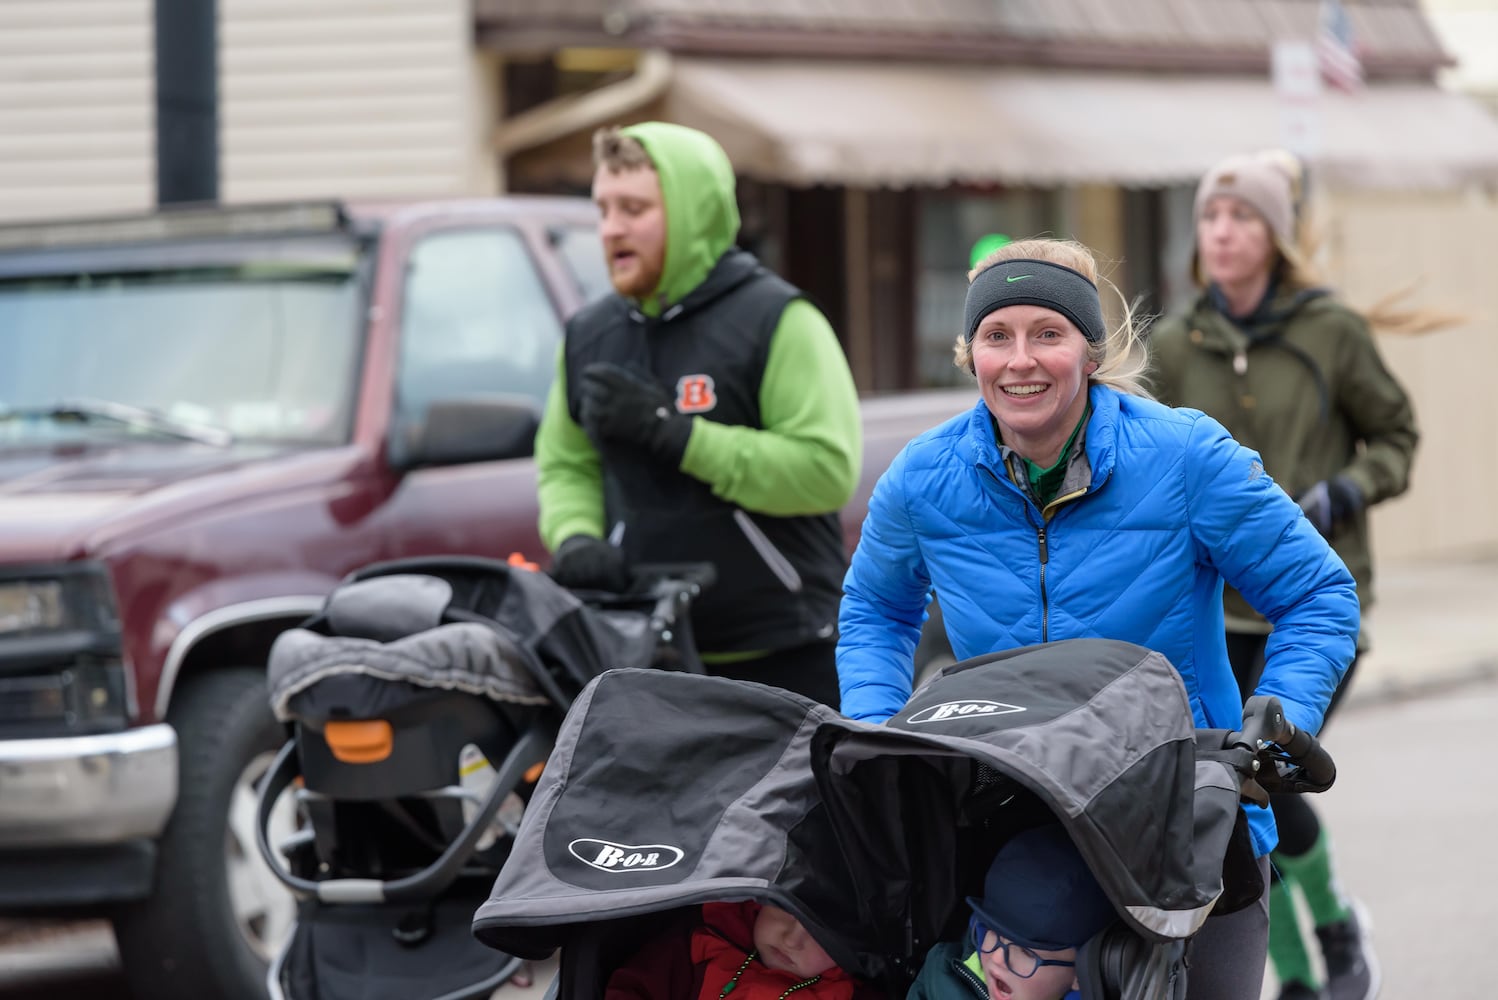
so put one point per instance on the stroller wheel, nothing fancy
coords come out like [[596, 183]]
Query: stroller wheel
[[413, 928]]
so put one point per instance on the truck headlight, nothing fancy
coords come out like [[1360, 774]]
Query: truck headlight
[[31, 606], [47, 599]]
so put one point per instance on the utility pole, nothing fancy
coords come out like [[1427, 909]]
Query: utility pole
[[186, 101]]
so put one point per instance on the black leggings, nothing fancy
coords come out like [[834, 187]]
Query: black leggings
[[810, 670], [1225, 960], [1293, 815]]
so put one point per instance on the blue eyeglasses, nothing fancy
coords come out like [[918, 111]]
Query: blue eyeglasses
[[1021, 960]]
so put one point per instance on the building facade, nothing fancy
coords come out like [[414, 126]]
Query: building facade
[[875, 140]]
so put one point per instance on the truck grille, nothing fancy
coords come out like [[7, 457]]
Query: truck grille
[[82, 699], [28, 699]]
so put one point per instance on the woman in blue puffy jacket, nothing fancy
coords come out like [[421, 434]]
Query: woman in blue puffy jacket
[[1069, 504]]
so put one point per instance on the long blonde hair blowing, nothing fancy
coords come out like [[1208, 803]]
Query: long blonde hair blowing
[[1121, 357], [1390, 314]]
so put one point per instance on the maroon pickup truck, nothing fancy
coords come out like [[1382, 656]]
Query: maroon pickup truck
[[207, 417]]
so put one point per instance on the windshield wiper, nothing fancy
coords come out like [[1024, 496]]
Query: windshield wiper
[[123, 413]]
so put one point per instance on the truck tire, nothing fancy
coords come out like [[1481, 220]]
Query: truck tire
[[186, 942]]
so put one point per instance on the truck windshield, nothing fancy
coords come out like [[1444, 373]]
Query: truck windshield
[[253, 351]]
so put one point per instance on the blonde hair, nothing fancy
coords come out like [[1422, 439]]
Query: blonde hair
[[619, 152], [1120, 357]]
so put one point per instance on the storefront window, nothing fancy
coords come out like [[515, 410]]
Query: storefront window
[[950, 222]]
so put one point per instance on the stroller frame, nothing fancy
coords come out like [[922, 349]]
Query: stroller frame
[[437, 723], [871, 835]]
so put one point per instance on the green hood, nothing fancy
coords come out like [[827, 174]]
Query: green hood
[[702, 215]]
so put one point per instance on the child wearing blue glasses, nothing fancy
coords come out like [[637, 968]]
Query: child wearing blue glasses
[[1040, 904]]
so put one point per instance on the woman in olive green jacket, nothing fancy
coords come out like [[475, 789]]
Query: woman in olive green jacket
[[1294, 374]]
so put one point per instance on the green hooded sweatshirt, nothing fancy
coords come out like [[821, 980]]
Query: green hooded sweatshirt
[[1302, 383], [804, 460]]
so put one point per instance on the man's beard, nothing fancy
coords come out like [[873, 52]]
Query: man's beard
[[635, 283]]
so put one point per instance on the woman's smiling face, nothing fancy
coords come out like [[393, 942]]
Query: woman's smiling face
[[1032, 369]]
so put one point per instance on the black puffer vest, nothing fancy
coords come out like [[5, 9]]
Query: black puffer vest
[[779, 578]]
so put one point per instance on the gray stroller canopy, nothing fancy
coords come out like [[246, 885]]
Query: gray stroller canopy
[[669, 789], [468, 625], [1102, 733]]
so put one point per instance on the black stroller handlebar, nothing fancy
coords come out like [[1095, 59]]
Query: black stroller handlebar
[[674, 589], [668, 589], [1302, 763]]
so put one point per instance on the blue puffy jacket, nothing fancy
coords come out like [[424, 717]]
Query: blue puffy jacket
[[1174, 506]]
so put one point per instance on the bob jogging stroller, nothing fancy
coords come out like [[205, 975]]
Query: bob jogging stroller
[[872, 835], [422, 702]]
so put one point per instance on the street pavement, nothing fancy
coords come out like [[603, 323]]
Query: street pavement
[[1410, 820]]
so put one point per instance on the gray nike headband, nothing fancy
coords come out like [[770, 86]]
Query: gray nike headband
[[1036, 283]]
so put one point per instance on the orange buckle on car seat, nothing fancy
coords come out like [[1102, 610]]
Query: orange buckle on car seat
[[367, 741]]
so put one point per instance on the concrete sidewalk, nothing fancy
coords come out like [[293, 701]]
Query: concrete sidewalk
[[1434, 625]]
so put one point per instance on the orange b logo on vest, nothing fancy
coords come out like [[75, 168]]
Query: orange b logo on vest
[[694, 394]]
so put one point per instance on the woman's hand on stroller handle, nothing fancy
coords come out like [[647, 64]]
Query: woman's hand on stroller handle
[[1301, 765]]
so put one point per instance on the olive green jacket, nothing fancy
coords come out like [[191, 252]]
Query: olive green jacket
[[1303, 384]]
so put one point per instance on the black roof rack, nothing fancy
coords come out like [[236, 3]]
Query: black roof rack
[[186, 222]]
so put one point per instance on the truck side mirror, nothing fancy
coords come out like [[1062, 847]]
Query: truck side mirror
[[476, 429]]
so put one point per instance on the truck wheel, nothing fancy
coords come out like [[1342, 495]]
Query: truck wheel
[[216, 916]]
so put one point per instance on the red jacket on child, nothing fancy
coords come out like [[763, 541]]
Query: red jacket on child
[[697, 961]]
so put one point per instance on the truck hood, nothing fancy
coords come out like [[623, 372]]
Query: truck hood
[[59, 503]]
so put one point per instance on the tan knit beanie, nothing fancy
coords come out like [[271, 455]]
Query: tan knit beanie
[[1261, 180]]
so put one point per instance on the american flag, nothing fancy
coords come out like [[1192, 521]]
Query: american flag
[[1336, 48]]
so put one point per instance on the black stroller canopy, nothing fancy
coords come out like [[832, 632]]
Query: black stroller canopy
[[667, 789], [1099, 731]]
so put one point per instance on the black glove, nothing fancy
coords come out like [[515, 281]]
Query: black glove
[[1330, 503], [583, 562], [621, 405]]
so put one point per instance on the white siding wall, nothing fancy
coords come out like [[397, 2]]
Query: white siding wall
[[318, 98], [351, 98], [1436, 245], [77, 107]]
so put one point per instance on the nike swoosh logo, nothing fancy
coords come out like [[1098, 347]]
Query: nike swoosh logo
[[1018, 277]]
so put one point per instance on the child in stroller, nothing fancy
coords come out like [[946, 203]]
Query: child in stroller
[[1040, 904], [415, 676], [872, 836], [755, 950]]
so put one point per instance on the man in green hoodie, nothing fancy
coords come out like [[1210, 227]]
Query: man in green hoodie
[[704, 412]]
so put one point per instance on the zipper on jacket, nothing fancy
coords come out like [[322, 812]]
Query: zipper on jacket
[[1045, 601], [1046, 513], [966, 975], [772, 557]]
